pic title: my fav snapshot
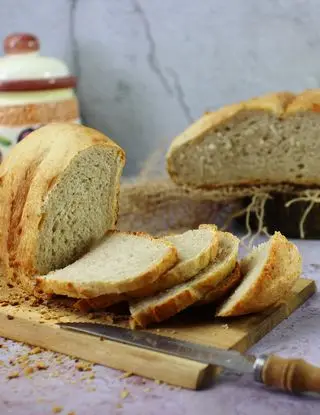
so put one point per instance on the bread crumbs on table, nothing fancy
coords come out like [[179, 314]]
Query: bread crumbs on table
[[9, 317], [57, 409], [125, 375], [13, 375], [28, 370], [71, 413], [24, 358], [124, 394], [119, 405], [41, 365], [146, 389], [157, 381]]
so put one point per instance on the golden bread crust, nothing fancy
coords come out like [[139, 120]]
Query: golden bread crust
[[224, 288], [278, 275]]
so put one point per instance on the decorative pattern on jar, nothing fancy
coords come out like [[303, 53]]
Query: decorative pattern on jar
[[34, 91]]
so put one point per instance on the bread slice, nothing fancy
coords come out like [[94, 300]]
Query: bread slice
[[272, 139], [119, 263], [223, 289], [176, 299], [196, 248], [269, 272], [58, 195]]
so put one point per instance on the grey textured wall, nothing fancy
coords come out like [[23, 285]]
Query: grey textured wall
[[147, 68]]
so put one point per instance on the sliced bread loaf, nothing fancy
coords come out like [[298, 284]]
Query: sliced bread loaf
[[196, 248], [269, 272], [119, 263], [223, 289], [272, 139], [176, 299], [58, 195]]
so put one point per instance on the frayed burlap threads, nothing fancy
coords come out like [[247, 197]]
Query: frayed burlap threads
[[311, 196], [157, 207], [256, 207]]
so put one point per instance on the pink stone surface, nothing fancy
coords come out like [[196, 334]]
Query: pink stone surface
[[63, 385]]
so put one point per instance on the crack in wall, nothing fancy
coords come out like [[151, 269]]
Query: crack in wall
[[152, 53], [155, 66], [180, 95]]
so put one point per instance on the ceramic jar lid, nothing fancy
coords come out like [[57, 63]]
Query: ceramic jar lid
[[24, 69]]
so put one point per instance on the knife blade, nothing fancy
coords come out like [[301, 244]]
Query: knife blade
[[294, 375], [210, 355]]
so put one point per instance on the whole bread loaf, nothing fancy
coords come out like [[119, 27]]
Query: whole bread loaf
[[273, 139], [58, 195]]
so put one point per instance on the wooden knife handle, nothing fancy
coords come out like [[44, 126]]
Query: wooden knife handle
[[294, 375]]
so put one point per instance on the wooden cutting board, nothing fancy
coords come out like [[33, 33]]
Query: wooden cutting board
[[26, 324]]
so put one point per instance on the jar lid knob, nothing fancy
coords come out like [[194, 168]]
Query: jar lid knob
[[17, 43]]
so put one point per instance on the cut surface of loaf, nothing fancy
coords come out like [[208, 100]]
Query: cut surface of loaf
[[119, 263], [58, 195], [269, 272], [273, 139], [195, 248], [172, 301], [223, 289]]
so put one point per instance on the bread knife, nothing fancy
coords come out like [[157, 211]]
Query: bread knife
[[293, 375]]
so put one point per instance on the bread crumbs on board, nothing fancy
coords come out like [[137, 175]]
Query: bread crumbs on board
[[57, 409]]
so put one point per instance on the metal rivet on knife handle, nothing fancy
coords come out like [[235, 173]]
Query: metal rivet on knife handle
[[294, 375]]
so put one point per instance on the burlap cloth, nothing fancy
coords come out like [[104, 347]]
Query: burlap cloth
[[151, 202]]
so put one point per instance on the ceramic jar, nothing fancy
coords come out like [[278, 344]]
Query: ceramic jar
[[34, 91]]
